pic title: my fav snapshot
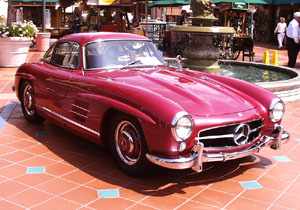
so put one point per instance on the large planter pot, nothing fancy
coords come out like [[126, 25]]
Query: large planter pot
[[42, 41], [13, 51]]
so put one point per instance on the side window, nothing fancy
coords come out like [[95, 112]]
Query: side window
[[66, 54], [74, 57], [48, 55]]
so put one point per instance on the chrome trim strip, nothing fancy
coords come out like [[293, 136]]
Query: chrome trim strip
[[256, 129], [79, 114], [79, 107], [215, 137], [69, 120]]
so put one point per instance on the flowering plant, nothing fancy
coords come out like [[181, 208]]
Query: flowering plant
[[20, 29]]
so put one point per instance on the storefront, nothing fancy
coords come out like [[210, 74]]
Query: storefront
[[93, 13], [32, 10], [267, 15], [102, 14]]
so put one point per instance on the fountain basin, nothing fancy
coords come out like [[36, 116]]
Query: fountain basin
[[202, 29], [287, 89], [282, 81]]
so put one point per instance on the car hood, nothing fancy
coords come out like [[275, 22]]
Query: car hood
[[198, 95]]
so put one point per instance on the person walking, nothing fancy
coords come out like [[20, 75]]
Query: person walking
[[292, 35], [289, 19], [280, 31], [76, 24], [181, 19]]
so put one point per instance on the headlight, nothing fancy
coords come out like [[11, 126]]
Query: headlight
[[182, 126], [276, 110]]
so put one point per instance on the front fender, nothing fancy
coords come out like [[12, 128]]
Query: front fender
[[248, 90], [119, 106]]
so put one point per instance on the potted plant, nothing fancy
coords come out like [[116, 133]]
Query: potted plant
[[15, 41]]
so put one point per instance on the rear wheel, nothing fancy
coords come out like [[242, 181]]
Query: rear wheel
[[28, 103], [128, 146]]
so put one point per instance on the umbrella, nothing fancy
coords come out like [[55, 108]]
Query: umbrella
[[251, 1]]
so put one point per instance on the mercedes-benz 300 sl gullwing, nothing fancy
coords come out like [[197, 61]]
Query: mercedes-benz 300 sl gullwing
[[115, 89]]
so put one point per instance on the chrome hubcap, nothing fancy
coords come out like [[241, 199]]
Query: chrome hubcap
[[128, 143], [28, 100]]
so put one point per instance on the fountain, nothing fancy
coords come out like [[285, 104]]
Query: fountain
[[201, 54]]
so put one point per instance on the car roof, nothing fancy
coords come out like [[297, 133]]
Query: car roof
[[83, 38]]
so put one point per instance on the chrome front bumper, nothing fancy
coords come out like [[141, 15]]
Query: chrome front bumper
[[198, 157]]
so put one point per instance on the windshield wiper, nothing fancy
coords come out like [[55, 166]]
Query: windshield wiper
[[131, 63]]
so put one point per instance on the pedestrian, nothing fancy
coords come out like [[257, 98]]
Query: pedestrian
[[292, 36], [76, 24], [289, 19], [181, 19], [253, 30], [280, 31], [120, 22]]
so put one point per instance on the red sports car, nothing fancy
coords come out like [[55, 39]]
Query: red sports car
[[116, 89]]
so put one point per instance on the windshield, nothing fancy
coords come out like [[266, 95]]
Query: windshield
[[118, 54]]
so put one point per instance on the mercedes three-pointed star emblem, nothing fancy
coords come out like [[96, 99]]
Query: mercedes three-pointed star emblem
[[241, 134]]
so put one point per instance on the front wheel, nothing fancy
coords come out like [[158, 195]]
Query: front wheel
[[28, 103], [128, 146]]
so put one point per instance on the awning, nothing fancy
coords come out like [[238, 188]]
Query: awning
[[285, 1], [249, 1], [29, 1], [168, 3], [33, 3]]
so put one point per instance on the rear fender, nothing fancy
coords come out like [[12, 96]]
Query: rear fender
[[19, 77]]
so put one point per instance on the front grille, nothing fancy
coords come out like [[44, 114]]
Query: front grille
[[224, 136]]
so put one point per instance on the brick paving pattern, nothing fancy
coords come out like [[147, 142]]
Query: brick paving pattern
[[44, 167]]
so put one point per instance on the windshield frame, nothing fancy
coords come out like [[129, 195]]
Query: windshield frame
[[118, 67]]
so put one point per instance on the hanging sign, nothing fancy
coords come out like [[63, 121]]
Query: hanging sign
[[108, 2], [240, 5]]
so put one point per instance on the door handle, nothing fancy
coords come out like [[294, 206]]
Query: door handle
[[50, 90], [49, 79]]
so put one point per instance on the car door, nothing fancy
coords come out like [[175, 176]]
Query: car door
[[56, 75]]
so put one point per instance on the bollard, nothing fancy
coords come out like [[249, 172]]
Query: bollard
[[275, 58], [266, 59]]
